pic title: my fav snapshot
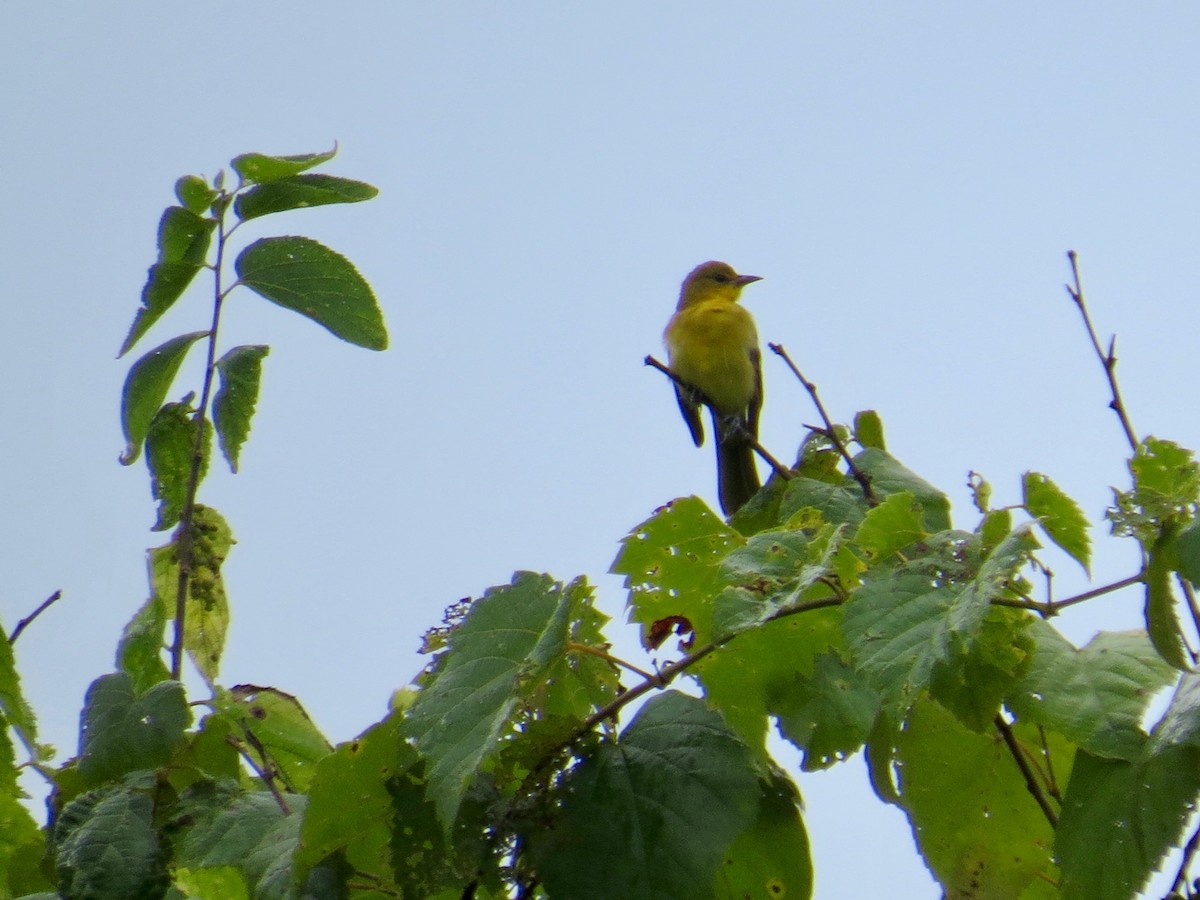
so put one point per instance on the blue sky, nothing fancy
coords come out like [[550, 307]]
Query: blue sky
[[907, 179]]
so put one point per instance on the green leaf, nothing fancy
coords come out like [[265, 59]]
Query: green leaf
[[229, 832], [868, 429], [838, 504], [260, 168], [1096, 696], [771, 858], [1121, 817], [1180, 724], [671, 566], [978, 828], [828, 716], [350, 807], [888, 476], [280, 727], [1162, 623], [183, 241], [170, 443], [22, 843], [107, 847], [667, 800], [1059, 516], [146, 388], [502, 649], [1187, 551], [123, 731], [972, 684], [207, 619], [302, 275], [897, 630], [763, 671], [139, 653], [298, 192], [233, 406], [996, 574], [195, 194], [891, 526], [15, 710]]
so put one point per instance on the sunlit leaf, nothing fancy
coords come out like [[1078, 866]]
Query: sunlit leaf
[[233, 407], [146, 388]]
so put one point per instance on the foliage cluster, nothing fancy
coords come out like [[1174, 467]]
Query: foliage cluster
[[842, 607]]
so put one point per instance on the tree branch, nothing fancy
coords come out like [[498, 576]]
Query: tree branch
[[1108, 359], [776, 466], [1031, 782], [829, 430], [25, 622]]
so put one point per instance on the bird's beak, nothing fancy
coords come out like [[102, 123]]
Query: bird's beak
[[743, 280]]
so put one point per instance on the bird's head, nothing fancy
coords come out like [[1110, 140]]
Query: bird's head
[[713, 281]]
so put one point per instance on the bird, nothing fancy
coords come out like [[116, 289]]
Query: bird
[[712, 350]]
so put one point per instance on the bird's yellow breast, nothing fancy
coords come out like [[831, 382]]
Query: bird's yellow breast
[[710, 345]]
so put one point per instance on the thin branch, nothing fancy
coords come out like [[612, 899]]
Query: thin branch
[[266, 778], [776, 466], [608, 658], [1051, 782], [1108, 358], [25, 622], [829, 430], [185, 547], [1031, 782], [1189, 851], [1051, 609]]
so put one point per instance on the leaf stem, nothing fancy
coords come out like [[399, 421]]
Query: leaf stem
[[829, 430], [185, 543], [1108, 358]]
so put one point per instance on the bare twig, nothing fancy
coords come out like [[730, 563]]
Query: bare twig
[[25, 622], [1031, 782], [1050, 609], [776, 466], [1108, 358], [608, 658], [1051, 781], [829, 431]]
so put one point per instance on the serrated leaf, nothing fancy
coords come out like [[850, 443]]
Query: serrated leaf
[[868, 429], [978, 828], [772, 857], [671, 565], [973, 683], [996, 573], [888, 528], [146, 388], [757, 674], [298, 192], [194, 193], [22, 849], [183, 241], [1180, 724], [279, 728], [170, 443], [888, 476], [1187, 551], [165, 283], [260, 168], [233, 407], [207, 619], [15, 710], [227, 834], [350, 806], [1095, 696], [897, 630], [107, 847], [828, 716], [1059, 516], [1162, 622], [302, 275], [838, 504], [122, 731], [502, 649], [139, 653], [1121, 817], [667, 800]]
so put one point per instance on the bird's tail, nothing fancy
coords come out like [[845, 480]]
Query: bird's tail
[[737, 477]]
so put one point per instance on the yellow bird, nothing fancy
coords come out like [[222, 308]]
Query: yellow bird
[[712, 346]]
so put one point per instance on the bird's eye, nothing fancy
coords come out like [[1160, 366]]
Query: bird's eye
[[720, 277]]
